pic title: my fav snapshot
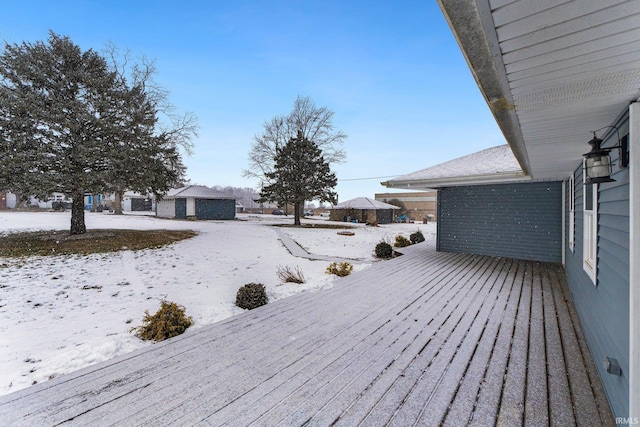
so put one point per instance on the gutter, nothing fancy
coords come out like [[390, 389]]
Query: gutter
[[501, 178], [472, 25]]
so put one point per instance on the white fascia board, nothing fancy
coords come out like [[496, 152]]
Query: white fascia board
[[634, 260], [459, 181], [471, 22]]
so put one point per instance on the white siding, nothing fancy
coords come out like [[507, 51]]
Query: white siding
[[191, 206], [166, 208]]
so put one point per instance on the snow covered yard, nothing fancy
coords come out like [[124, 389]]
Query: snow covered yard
[[59, 314]]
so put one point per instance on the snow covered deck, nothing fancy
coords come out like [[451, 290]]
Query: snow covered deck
[[428, 338]]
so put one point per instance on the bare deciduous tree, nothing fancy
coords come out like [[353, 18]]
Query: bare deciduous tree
[[316, 125], [175, 128]]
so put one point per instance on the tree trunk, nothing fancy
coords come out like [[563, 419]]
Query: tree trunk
[[296, 207], [77, 214], [117, 204]]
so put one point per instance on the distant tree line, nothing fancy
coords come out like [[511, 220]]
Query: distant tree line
[[245, 195]]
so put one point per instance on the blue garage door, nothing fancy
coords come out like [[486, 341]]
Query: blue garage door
[[215, 208]]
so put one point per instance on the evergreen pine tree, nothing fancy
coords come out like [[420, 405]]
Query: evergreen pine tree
[[72, 124], [300, 173]]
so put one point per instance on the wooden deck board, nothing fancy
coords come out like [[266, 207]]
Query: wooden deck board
[[428, 338], [560, 405], [390, 389], [463, 404], [446, 366], [489, 396], [513, 392], [344, 339], [365, 350], [536, 402]]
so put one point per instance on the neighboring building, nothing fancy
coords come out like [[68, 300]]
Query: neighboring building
[[553, 73], [55, 201], [198, 202], [421, 206], [93, 201], [365, 210], [9, 200], [136, 202]]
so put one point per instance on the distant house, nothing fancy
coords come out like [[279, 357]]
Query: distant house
[[136, 202], [420, 205], [54, 201], [93, 201], [555, 75], [197, 202], [363, 209], [9, 200]]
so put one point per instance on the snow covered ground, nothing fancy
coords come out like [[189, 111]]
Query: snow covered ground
[[60, 314]]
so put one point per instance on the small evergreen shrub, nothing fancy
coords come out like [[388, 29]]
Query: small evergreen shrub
[[417, 237], [402, 241], [288, 275], [169, 321], [251, 295], [340, 269], [384, 250]]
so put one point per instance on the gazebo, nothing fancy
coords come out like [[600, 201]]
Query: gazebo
[[363, 209]]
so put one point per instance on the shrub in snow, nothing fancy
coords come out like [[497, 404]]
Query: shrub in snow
[[251, 295], [384, 250], [417, 237], [169, 321], [340, 269], [288, 275], [401, 241]]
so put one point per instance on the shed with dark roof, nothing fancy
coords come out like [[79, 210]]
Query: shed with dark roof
[[196, 202], [363, 209]]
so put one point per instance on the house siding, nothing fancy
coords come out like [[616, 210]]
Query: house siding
[[166, 208], [215, 208], [522, 220], [603, 307]]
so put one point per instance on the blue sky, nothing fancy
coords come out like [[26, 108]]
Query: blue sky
[[391, 71]]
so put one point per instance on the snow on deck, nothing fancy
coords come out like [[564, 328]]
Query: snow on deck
[[428, 338]]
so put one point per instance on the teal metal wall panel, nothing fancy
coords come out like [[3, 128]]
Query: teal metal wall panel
[[603, 307], [181, 208], [215, 209], [521, 220]]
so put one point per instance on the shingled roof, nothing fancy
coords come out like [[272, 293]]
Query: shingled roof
[[364, 203], [198, 191], [492, 165]]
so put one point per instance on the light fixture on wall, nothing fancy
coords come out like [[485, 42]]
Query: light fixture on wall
[[597, 163]]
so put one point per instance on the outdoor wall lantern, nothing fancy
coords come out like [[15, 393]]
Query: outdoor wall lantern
[[597, 163]]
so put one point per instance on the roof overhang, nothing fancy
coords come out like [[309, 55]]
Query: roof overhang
[[551, 72], [435, 183]]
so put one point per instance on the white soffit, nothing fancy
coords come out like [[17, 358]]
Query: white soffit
[[567, 68]]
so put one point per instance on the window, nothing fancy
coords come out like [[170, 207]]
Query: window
[[572, 211], [590, 231]]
